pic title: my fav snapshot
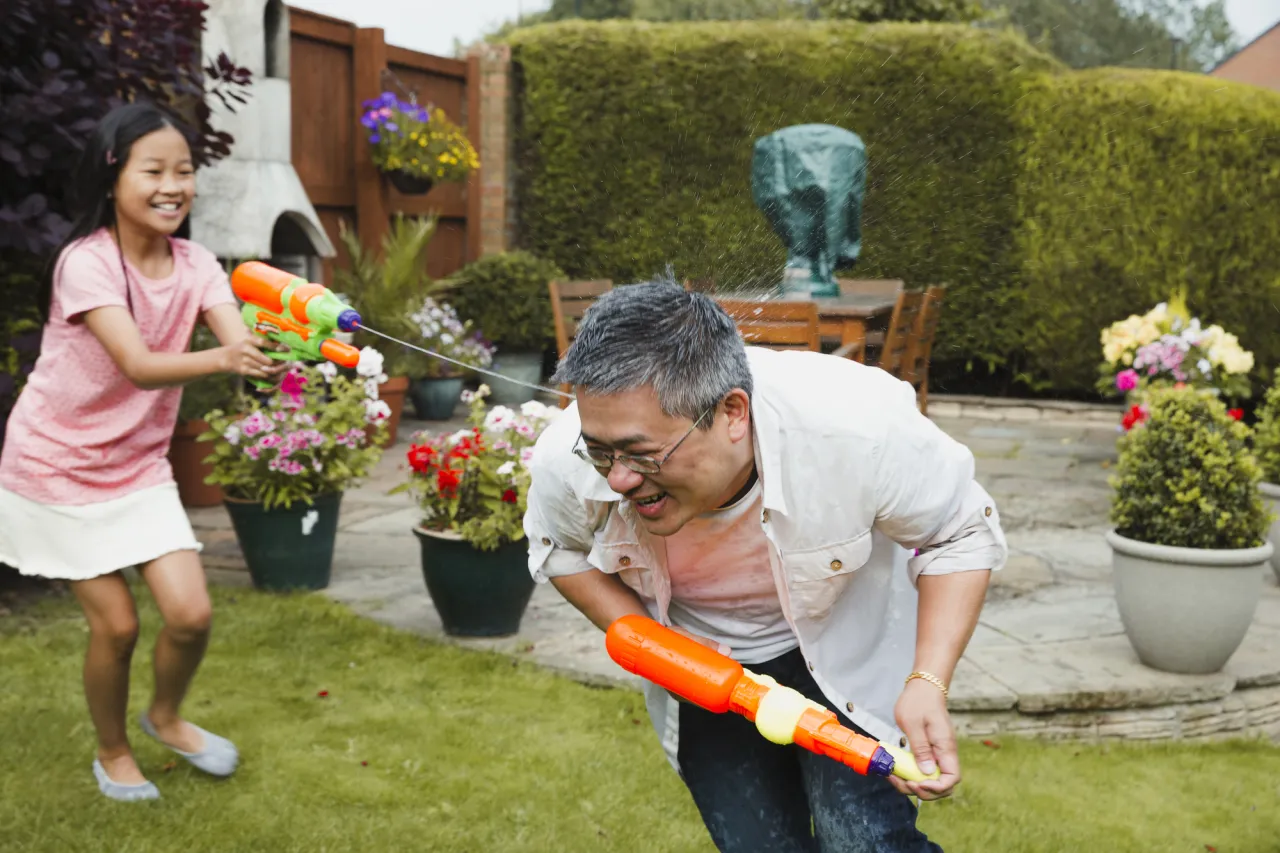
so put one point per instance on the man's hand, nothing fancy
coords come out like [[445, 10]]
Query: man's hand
[[922, 715]]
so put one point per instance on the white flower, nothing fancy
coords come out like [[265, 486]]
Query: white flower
[[483, 391], [506, 468], [376, 410], [370, 362], [468, 396], [459, 435], [328, 370], [526, 456], [499, 417], [371, 388], [533, 409], [1204, 366], [232, 435]]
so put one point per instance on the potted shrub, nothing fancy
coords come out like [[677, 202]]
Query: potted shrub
[[186, 456], [1266, 447], [416, 146], [436, 384], [472, 487], [1167, 346], [506, 295], [386, 287], [1190, 527], [283, 460]]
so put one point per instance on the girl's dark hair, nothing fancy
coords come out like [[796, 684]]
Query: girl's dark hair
[[89, 199]]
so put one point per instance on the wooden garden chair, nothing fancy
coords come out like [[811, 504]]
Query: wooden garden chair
[[887, 287], [569, 302], [922, 346], [776, 324]]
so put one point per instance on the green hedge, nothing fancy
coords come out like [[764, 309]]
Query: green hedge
[[636, 142], [1132, 184], [991, 168]]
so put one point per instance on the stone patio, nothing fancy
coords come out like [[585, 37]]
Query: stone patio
[[1049, 657]]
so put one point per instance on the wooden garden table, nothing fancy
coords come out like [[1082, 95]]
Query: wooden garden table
[[841, 317]]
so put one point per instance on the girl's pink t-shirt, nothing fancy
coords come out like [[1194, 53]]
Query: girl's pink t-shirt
[[81, 432]]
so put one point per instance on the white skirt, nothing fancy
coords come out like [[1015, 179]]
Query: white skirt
[[82, 542]]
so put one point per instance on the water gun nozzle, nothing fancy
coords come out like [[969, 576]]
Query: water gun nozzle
[[349, 320]]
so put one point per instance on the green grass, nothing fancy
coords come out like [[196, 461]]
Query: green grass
[[470, 752]]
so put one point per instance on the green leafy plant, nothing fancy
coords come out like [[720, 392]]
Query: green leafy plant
[[505, 295], [1266, 433], [314, 434], [475, 482], [419, 140], [388, 286], [1186, 477]]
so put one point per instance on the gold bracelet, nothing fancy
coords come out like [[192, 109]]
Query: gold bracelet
[[929, 677]]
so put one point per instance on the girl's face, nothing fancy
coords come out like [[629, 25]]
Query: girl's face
[[154, 189]]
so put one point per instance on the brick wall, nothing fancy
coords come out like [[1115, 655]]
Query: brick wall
[[1258, 63], [495, 149]]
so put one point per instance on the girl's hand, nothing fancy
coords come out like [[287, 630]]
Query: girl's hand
[[245, 358]]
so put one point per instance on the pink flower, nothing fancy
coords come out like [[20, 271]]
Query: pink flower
[[252, 452], [292, 386], [256, 423], [269, 441], [1127, 380]]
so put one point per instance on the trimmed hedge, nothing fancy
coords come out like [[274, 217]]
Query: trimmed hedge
[[991, 168], [636, 142], [1133, 184]]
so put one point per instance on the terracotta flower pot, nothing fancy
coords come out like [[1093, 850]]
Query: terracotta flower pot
[[393, 392], [186, 457]]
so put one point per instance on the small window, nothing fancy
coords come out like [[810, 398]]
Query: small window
[[275, 28]]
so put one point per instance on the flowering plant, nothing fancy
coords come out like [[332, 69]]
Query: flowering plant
[[421, 141], [315, 433], [475, 482], [1167, 346], [442, 332]]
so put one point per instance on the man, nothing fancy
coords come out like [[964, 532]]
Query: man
[[793, 509]]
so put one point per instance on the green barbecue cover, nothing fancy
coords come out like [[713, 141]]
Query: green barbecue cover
[[808, 180]]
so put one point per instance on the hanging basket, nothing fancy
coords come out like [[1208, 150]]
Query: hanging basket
[[409, 184]]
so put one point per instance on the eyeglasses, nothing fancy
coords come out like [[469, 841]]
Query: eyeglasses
[[604, 461]]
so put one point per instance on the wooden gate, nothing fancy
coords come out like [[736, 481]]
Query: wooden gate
[[334, 68]]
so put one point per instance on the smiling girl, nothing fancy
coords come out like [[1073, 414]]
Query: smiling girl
[[85, 486]]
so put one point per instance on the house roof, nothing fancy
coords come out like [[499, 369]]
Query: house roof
[[1251, 43]]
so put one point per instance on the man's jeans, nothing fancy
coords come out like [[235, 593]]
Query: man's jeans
[[755, 795]]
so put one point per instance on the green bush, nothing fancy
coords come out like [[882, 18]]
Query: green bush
[[1134, 184], [505, 296], [636, 145], [1266, 433], [1186, 477], [1052, 202]]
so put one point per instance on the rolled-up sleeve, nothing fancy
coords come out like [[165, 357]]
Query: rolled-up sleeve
[[556, 522], [928, 500]]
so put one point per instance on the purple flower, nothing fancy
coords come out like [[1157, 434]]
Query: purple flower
[[375, 138], [1127, 380]]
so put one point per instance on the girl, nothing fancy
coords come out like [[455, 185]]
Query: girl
[[85, 486]]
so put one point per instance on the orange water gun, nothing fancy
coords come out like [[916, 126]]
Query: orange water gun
[[295, 312], [719, 684]]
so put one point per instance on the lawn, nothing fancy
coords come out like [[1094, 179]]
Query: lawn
[[357, 737]]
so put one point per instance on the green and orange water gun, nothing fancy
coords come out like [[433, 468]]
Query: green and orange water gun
[[292, 311], [720, 684]]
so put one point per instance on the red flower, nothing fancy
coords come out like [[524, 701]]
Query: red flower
[[1236, 414], [509, 496], [422, 458], [1133, 417], [323, 694], [447, 481]]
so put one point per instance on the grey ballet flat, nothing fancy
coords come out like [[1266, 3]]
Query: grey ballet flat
[[123, 793], [218, 758]]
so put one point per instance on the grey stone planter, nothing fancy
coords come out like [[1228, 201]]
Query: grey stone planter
[[1186, 610], [1271, 493]]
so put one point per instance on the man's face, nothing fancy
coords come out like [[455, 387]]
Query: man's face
[[701, 472]]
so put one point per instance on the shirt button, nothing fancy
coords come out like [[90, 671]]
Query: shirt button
[[836, 565], [546, 541], [987, 512], [848, 707], [902, 742], [624, 561], [764, 516], [810, 666]]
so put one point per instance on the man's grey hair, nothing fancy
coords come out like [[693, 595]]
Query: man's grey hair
[[656, 333]]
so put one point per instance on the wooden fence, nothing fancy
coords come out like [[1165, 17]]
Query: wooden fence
[[334, 68]]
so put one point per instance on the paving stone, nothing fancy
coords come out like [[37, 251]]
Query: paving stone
[[394, 522], [1022, 573], [1057, 621], [1257, 662], [1099, 674], [971, 689]]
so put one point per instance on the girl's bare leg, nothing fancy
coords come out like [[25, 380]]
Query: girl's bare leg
[[113, 633], [177, 583]]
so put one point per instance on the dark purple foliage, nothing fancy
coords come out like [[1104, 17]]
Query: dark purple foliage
[[63, 65]]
